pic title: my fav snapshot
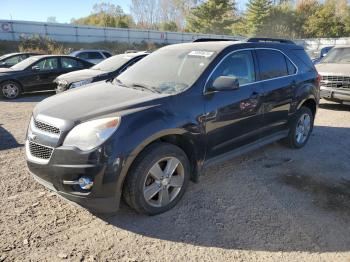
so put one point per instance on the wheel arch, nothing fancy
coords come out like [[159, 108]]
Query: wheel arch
[[311, 103], [176, 137]]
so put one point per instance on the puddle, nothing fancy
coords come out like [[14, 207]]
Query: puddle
[[326, 194]]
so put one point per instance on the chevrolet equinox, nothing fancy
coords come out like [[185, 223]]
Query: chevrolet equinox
[[145, 134]]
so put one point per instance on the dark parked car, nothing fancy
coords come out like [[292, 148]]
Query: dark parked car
[[107, 69], [13, 59], [162, 121], [37, 73]]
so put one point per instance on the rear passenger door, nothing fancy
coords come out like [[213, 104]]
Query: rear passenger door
[[277, 74]]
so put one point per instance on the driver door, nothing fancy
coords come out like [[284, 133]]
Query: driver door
[[233, 117], [42, 75]]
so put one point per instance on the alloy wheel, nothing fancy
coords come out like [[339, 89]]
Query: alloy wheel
[[163, 182], [10, 90], [303, 128]]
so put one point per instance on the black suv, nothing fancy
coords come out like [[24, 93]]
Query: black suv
[[144, 135]]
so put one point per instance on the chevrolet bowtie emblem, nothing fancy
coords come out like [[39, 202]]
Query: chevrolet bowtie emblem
[[32, 137]]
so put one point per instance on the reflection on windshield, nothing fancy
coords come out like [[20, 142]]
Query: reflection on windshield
[[169, 70], [25, 63], [113, 63], [338, 55]]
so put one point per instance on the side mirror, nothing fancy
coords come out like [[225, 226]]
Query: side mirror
[[35, 68], [225, 83]]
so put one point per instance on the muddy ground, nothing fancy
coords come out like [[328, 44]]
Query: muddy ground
[[275, 204]]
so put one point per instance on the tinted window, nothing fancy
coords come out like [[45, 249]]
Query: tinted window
[[70, 63], [107, 54], [306, 63], [47, 64], [291, 68], [83, 55], [272, 64], [239, 65], [90, 55]]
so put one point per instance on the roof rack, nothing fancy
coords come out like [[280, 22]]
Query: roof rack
[[212, 40], [267, 40]]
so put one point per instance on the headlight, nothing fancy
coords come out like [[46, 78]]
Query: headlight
[[81, 83], [62, 83], [92, 134]]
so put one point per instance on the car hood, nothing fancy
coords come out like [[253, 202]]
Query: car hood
[[80, 75], [94, 100], [333, 69]]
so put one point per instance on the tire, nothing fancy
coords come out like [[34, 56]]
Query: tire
[[10, 90], [145, 190], [299, 133]]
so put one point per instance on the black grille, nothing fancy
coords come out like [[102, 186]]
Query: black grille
[[40, 151], [336, 81], [45, 127]]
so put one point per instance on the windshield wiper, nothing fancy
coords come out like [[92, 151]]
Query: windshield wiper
[[119, 82], [146, 87]]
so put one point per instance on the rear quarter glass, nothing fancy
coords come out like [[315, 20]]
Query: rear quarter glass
[[303, 60]]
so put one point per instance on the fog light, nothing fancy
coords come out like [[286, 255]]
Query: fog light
[[85, 183]]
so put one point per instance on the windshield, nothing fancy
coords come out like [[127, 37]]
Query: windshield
[[25, 63], [169, 70], [113, 63], [338, 55], [5, 56]]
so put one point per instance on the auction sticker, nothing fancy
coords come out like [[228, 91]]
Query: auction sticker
[[199, 53]]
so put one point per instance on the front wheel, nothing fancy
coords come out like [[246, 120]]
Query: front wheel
[[158, 179], [10, 90], [301, 128]]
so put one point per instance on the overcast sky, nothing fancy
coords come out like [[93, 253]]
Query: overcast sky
[[63, 10]]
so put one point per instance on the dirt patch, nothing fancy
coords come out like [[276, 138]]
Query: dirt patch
[[245, 209]]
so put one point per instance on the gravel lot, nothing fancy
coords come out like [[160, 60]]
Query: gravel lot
[[274, 204]]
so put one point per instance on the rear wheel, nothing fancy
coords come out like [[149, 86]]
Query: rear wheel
[[10, 90], [158, 179], [301, 128]]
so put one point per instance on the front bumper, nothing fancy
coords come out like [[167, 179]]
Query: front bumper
[[99, 205], [334, 94], [68, 164]]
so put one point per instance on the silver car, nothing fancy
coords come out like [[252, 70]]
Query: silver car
[[335, 75], [92, 56]]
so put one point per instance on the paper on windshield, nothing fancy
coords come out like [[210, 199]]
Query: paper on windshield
[[199, 53]]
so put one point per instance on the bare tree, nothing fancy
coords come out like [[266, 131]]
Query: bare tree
[[149, 13]]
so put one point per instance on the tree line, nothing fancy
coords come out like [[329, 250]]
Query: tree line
[[270, 18]]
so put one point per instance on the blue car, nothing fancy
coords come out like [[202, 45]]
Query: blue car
[[323, 53]]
